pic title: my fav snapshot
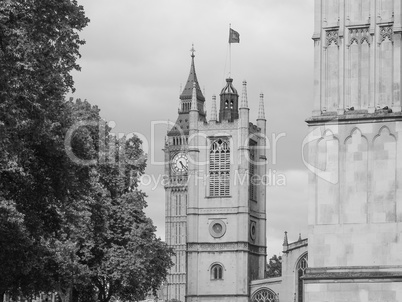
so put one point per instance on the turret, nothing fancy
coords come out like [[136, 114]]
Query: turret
[[194, 111], [261, 121], [229, 109]]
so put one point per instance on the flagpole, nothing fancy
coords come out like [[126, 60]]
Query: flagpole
[[230, 53]]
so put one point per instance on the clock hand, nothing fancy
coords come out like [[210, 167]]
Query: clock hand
[[182, 165]]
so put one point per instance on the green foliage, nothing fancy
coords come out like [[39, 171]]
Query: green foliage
[[274, 267]]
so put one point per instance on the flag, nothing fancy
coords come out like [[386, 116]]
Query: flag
[[234, 36]]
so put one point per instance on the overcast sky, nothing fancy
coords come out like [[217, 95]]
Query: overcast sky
[[137, 56]]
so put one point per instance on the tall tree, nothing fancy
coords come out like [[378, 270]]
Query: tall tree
[[76, 228], [127, 260], [39, 46]]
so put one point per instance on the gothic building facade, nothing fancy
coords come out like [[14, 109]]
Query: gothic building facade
[[216, 221], [355, 153], [215, 206]]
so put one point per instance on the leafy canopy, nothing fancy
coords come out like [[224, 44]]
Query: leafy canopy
[[76, 229]]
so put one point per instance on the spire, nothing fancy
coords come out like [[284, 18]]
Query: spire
[[244, 102], [214, 115], [192, 78], [194, 106], [300, 239], [261, 110], [192, 51], [285, 239]]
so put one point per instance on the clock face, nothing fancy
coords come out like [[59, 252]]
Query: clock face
[[180, 163]]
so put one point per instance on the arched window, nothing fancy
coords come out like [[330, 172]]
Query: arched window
[[265, 295], [219, 168], [301, 267], [216, 272]]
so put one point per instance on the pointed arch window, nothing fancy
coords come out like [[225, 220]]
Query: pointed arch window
[[219, 168], [301, 267], [265, 295]]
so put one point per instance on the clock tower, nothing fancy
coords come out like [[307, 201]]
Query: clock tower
[[176, 190], [215, 196]]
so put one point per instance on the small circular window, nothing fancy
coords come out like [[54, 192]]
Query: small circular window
[[217, 228], [253, 230]]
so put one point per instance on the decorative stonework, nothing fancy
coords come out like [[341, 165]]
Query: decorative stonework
[[241, 210], [225, 125], [363, 273], [359, 35], [265, 295], [177, 184], [386, 32], [332, 36], [257, 249], [230, 246], [171, 219]]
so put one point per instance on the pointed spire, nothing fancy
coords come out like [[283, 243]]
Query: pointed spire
[[214, 114], [300, 239], [261, 110], [192, 78], [194, 106], [244, 102], [285, 239]]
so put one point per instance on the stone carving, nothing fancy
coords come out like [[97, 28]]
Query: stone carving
[[359, 36], [222, 126], [217, 246], [386, 32], [332, 36]]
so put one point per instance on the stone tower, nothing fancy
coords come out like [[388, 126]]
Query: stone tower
[[355, 153], [176, 191], [226, 220]]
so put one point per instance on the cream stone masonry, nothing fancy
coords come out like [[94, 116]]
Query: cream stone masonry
[[354, 152]]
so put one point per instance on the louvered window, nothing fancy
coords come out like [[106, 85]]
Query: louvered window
[[219, 168], [252, 171]]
